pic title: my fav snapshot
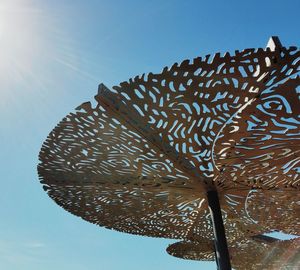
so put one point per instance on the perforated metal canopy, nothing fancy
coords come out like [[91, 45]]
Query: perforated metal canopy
[[141, 156], [251, 254]]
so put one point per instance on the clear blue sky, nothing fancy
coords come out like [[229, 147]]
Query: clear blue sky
[[53, 55]]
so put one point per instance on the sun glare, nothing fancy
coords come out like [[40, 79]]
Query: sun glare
[[31, 36], [19, 39]]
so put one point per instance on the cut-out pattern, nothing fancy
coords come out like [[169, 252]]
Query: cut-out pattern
[[191, 105], [261, 147]]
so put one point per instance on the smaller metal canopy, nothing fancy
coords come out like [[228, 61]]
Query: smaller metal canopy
[[260, 252]]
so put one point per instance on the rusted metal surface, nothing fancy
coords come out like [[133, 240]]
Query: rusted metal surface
[[141, 157]]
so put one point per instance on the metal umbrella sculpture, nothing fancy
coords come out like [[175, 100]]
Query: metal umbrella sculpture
[[205, 147]]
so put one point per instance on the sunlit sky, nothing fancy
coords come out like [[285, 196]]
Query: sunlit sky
[[53, 55]]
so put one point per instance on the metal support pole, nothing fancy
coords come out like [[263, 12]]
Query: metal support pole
[[221, 249]]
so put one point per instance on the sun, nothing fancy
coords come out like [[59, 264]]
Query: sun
[[34, 45], [19, 39]]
